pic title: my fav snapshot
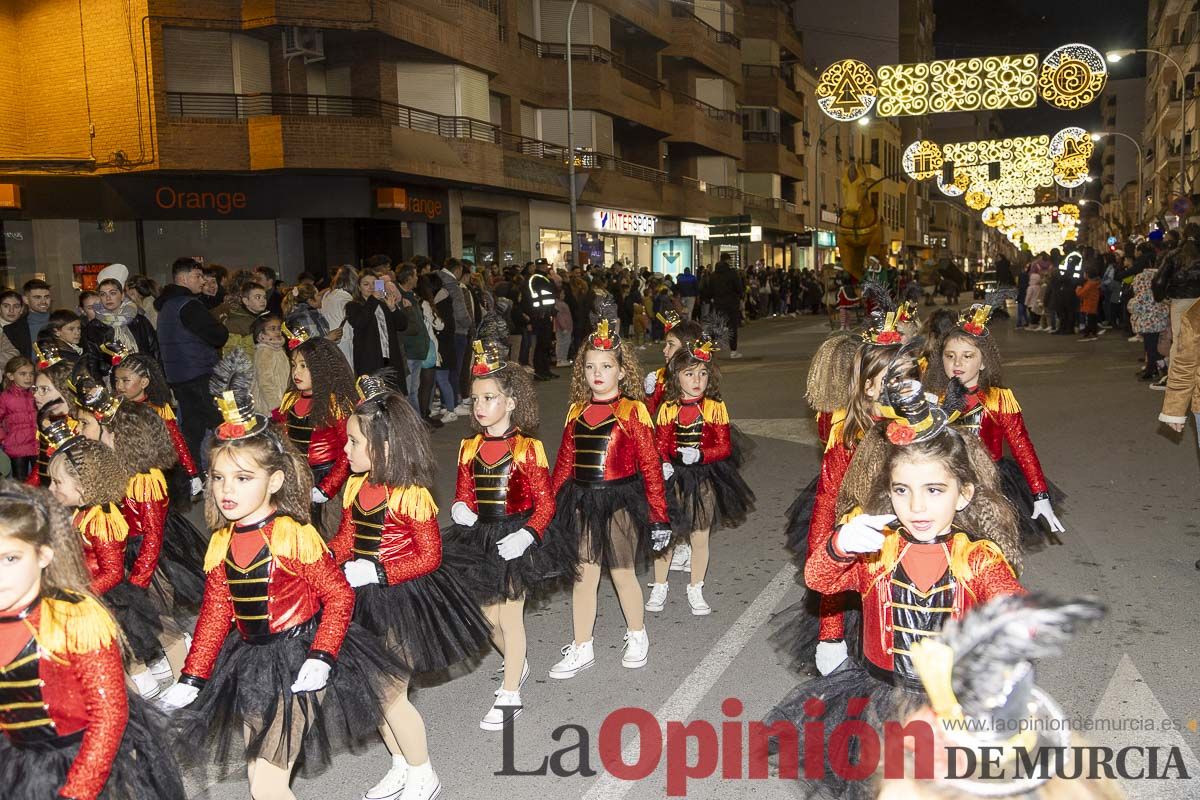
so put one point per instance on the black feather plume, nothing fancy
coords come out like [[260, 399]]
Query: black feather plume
[[233, 372], [877, 294], [955, 399]]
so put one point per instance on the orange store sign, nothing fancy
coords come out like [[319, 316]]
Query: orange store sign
[[398, 198], [170, 199]]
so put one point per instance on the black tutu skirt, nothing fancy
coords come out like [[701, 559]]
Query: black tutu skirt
[[247, 710], [796, 630], [849, 688], [799, 519], [1035, 534], [430, 622], [144, 767], [139, 614], [326, 517], [471, 550], [707, 496], [181, 562], [606, 524]]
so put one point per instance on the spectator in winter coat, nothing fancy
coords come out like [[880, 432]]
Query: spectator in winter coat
[[272, 369], [377, 319], [18, 417], [117, 319], [1183, 375], [333, 308], [23, 331], [724, 290], [1089, 305]]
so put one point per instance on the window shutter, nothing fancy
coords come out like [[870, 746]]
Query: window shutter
[[251, 65], [198, 61], [529, 126]]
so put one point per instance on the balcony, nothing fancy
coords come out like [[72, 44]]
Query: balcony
[[766, 152], [773, 213], [695, 39], [767, 85], [772, 19], [697, 122]]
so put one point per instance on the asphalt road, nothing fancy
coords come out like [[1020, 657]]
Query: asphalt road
[[1132, 539]]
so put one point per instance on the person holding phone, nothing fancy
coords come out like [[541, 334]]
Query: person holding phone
[[376, 315]]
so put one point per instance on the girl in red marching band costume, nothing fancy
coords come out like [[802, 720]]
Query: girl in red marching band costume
[[969, 375], [272, 690], [608, 487], [921, 555], [139, 378], [50, 393], [702, 457], [162, 542], [314, 415], [70, 729], [502, 507], [676, 332], [390, 548]]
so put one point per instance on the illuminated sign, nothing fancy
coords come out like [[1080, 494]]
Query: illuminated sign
[[1071, 149], [1069, 78], [624, 222], [697, 229]]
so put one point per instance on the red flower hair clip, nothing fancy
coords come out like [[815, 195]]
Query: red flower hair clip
[[229, 430], [973, 328], [889, 337], [900, 434]]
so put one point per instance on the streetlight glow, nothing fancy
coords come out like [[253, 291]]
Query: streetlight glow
[[1114, 56], [1096, 137], [864, 121]]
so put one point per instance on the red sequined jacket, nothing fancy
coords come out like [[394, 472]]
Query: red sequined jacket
[[324, 445], [630, 449], [676, 419], [301, 579], [834, 464], [75, 662], [974, 572], [408, 543], [996, 417], [824, 423], [654, 399], [181, 449], [104, 531], [523, 483], [145, 510]]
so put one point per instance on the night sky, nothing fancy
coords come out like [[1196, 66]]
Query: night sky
[[1020, 26]]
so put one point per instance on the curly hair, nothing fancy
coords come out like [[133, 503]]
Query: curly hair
[[157, 391], [33, 516], [141, 436], [991, 373], [683, 360], [270, 451], [332, 378], [103, 478], [827, 388], [397, 442], [514, 382], [58, 375], [989, 515], [630, 386]]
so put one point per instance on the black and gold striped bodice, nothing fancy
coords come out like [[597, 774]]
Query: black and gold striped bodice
[[689, 435], [23, 713], [915, 615], [491, 485], [299, 429], [248, 587], [368, 528], [591, 448]]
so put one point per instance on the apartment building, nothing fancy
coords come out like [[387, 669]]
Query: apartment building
[[1121, 107], [302, 135]]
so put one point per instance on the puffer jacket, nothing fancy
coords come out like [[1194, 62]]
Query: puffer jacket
[[18, 422], [1183, 376]]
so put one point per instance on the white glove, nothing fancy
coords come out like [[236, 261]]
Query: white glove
[[360, 572], [312, 677], [179, 696], [863, 534], [668, 470], [660, 537], [461, 513], [830, 655], [515, 544], [650, 382], [318, 496], [1043, 509], [197, 485], [689, 455]]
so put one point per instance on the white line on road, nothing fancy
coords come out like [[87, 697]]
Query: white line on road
[[699, 683]]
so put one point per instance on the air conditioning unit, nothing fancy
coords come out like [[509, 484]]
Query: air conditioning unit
[[305, 42]]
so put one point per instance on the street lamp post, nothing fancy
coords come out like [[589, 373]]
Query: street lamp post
[[571, 141], [1137, 146], [1116, 55]]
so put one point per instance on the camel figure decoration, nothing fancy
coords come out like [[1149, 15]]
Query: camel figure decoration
[[859, 233]]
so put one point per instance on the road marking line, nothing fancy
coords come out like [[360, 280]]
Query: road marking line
[[700, 682]]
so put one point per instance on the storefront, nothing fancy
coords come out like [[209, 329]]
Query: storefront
[[825, 251], [606, 236]]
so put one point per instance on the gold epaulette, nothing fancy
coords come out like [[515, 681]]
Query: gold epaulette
[[714, 412], [164, 411], [574, 411], [1000, 400], [468, 448], [288, 539], [104, 523], [521, 450], [350, 492], [625, 409], [667, 413], [837, 422], [147, 487], [970, 557], [289, 399], [74, 625], [413, 502]]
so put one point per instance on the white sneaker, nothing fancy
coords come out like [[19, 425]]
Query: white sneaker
[[658, 596], [637, 649], [161, 671], [696, 600], [508, 706], [576, 658], [421, 783], [449, 416], [524, 677], [735, 354], [147, 685], [392, 784], [463, 408], [681, 560]]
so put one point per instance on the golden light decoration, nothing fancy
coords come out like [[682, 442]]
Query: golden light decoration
[[958, 84], [959, 186], [1071, 149], [847, 90], [976, 199], [993, 216], [1072, 76], [922, 160]]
